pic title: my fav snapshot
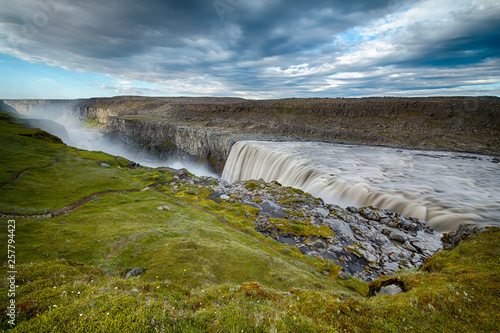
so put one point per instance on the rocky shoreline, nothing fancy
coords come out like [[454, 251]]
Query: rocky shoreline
[[365, 242]]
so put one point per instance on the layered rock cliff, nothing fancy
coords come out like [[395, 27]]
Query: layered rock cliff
[[172, 139], [206, 127]]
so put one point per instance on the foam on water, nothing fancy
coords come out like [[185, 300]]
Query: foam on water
[[444, 188]]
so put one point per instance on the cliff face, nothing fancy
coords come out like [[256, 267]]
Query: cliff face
[[206, 127], [168, 138]]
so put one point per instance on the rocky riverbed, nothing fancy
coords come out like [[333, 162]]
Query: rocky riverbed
[[365, 242]]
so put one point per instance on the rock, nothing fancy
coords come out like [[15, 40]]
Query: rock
[[398, 236], [319, 244], [463, 232], [368, 255], [418, 246], [408, 246], [352, 209], [105, 165], [387, 231], [134, 272], [389, 290], [369, 213], [323, 212], [365, 242]]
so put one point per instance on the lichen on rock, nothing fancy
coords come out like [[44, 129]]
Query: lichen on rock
[[365, 242]]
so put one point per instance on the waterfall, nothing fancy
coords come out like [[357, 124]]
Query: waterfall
[[414, 183]]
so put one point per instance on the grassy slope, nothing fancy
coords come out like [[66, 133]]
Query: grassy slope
[[201, 275]]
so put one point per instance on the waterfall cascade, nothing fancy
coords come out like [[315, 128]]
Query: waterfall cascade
[[443, 188]]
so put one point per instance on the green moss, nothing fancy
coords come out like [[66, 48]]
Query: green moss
[[42, 135], [166, 145], [190, 191], [252, 185], [299, 228], [98, 156], [59, 185], [446, 237], [86, 299], [93, 122]]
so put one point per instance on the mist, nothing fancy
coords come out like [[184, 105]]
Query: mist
[[80, 135]]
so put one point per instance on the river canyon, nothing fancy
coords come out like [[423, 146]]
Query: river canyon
[[432, 158]]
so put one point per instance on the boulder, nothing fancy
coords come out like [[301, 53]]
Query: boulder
[[464, 231], [134, 272], [389, 290]]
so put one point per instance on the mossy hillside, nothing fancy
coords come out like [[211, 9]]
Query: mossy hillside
[[241, 218], [41, 176], [99, 156], [456, 291], [118, 232], [91, 294], [15, 138], [44, 189]]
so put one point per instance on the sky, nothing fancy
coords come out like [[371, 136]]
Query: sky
[[256, 49]]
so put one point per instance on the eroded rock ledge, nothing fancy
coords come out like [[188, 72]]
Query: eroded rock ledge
[[366, 242]]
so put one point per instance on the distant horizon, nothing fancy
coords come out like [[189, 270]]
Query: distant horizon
[[64, 49], [235, 97]]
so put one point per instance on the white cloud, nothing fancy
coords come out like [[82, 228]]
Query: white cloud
[[307, 48]]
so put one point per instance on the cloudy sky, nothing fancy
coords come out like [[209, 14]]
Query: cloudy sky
[[249, 48]]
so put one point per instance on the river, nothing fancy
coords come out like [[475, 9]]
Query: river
[[443, 188]]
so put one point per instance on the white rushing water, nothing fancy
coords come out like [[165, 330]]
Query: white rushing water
[[443, 188]]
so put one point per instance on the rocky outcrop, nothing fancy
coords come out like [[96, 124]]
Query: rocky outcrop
[[366, 242], [453, 239]]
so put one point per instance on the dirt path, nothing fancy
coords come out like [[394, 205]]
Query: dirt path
[[69, 208], [17, 174]]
